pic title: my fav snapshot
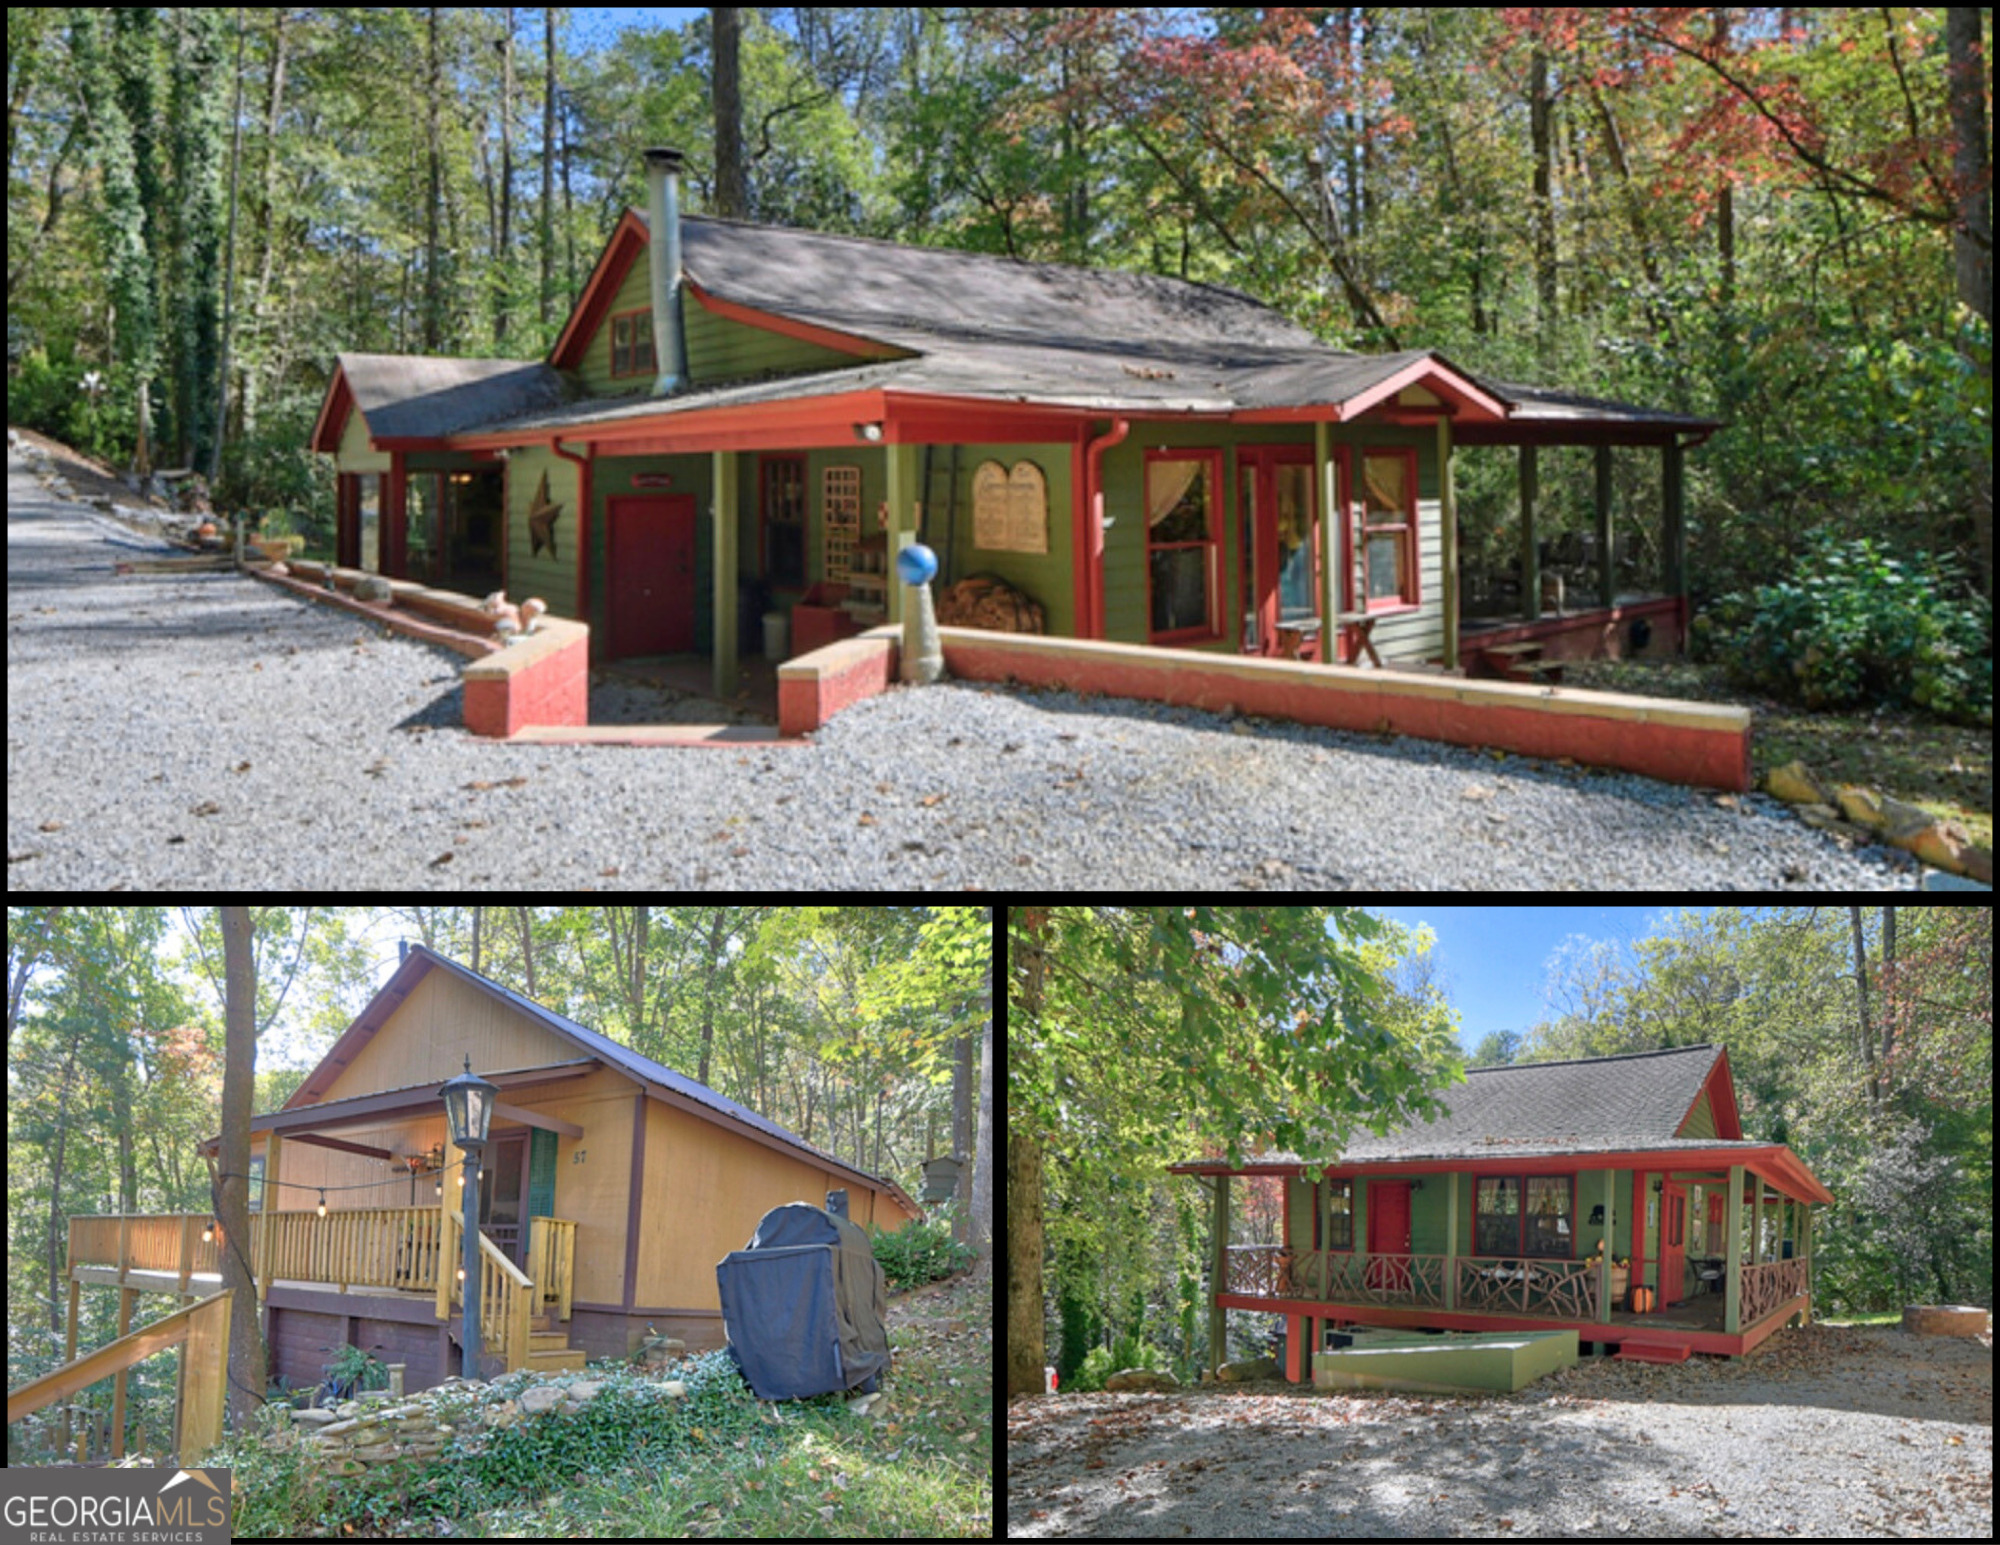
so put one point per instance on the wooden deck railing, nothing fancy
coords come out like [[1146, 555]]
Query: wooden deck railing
[[388, 1247], [552, 1261], [1771, 1286], [204, 1330]]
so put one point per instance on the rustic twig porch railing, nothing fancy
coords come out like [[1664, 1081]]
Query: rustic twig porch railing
[[1769, 1286], [1565, 1289]]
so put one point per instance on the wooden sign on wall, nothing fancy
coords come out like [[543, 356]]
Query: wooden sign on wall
[[1010, 508]]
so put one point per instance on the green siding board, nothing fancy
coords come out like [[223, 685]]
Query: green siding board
[[539, 574], [634, 293], [1701, 1119]]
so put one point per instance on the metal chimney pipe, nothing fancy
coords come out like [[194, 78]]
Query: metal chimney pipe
[[663, 214]]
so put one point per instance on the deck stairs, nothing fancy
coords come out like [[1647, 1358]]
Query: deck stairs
[[1520, 661], [549, 1350], [1639, 1352]]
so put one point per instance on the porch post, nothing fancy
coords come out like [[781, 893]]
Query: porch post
[[1451, 1224], [1448, 524], [1673, 495], [1610, 1244], [266, 1240], [1732, 1272], [1604, 581], [726, 520], [1531, 567], [1332, 520], [1218, 1274], [901, 466]]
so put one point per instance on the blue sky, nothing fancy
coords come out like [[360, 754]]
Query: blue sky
[[1492, 960]]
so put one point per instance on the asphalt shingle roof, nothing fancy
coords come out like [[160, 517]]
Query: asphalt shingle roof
[[420, 396]]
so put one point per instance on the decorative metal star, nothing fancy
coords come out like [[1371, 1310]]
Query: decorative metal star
[[542, 516]]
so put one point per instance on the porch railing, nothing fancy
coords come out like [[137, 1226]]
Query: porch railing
[[1564, 1289], [1770, 1286], [552, 1261], [389, 1247]]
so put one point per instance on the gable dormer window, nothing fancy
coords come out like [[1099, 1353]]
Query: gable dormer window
[[632, 344]]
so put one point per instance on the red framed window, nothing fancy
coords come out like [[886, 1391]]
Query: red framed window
[[1532, 1215], [1183, 545], [632, 344], [1337, 1232], [1388, 538], [781, 501]]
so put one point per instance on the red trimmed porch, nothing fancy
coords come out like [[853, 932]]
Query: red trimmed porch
[[1624, 1329]]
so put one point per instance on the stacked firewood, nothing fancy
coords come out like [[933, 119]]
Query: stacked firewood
[[988, 601]]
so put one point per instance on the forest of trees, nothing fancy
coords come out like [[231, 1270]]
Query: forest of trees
[[1861, 1037], [1776, 216], [865, 1030]]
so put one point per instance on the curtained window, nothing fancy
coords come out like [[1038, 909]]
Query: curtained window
[[1339, 1233], [1389, 529], [1182, 544], [632, 344]]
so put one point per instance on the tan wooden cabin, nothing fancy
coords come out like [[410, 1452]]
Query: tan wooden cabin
[[610, 1188]]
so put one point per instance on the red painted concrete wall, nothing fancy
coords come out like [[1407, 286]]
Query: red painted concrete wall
[[1680, 742], [816, 686], [507, 692]]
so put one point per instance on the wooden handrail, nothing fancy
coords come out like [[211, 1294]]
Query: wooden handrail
[[201, 1418]]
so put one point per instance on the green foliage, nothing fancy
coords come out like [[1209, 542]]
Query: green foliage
[[355, 1370], [271, 472], [922, 1252], [1854, 625], [1126, 1352]]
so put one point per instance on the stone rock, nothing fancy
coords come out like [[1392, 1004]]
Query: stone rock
[[1870, 807], [503, 1418], [544, 1398], [338, 1429], [1945, 845], [570, 1407], [1141, 1378], [585, 1390], [1255, 1368], [675, 1389], [314, 1418], [376, 1451], [401, 1412], [348, 1408], [372, 588]]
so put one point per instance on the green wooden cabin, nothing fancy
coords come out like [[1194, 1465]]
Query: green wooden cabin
[[1614, 1196], [740, 420]]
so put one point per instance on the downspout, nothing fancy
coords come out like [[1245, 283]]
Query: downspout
[[663, 214], [1093, 482], [582, 464]]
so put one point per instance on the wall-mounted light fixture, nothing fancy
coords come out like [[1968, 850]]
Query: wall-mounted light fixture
[[868, 434]]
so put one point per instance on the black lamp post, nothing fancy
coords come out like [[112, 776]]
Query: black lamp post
[[468, 1112]]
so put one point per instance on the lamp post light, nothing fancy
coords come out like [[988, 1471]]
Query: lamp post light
[[468, 1112]]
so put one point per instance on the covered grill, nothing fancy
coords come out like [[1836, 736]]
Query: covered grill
[[804, 1305]]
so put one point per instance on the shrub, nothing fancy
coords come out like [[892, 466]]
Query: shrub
[[1854, 625], [1125, 1353], [920, 1252]]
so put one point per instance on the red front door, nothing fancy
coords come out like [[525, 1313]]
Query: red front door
[[1389, 1234], [1281, 567], [652, 574], [1673, 1242]]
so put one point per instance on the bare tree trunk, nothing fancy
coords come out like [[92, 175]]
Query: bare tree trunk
[[1024, 1200], [548, 227], [267, 221], [504, 259], [527, 950], [229, 265], [434, 152], [1543, 211], [731, 196], [1972, 240], [477, 913], [1867, 1033], [982, 1153], [58, 1245], [239, 1071]]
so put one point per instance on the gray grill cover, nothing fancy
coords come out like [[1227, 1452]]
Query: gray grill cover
[[803, 1305]]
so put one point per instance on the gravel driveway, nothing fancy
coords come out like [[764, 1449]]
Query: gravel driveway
[[207, 730], [1824, 1433]]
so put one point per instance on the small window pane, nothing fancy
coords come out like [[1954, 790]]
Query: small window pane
[[1497, 1226], [1180, 588], [1339, 1215], [1385, 567], [1550, 1215], [1177, 501]]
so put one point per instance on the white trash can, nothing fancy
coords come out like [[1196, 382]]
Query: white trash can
[[776, 626]]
